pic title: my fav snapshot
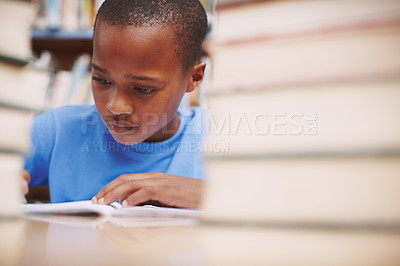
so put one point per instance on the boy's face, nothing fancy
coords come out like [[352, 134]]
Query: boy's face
[[138, 82]]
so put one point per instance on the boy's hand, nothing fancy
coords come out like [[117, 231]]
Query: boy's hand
[[152, 188], [25, 179]]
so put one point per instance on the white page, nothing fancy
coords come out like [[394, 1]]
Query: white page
[[114, 209], [77, 207]]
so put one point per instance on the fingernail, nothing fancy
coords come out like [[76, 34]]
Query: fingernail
[[124, 203], [94, 200], [101, 201]]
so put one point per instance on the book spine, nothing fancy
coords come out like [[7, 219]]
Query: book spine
[[86, 11], [69, 15], [53, 14], [79, 71]]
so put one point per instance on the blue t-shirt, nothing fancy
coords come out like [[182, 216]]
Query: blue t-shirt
[[75, 155]]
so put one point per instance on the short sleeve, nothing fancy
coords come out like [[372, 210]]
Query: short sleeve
[[37, 161]]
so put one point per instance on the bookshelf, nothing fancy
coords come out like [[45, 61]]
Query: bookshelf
[[65, 45], [61, 37], [64, 27]]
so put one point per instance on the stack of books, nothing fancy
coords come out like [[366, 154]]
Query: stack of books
[[304, 125], [22, 94]]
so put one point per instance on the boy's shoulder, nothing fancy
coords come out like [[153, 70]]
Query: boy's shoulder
[[195, 115], [191, 112], [72, 112], [62, 122], [194, 120], [67, 115], [77, 110]]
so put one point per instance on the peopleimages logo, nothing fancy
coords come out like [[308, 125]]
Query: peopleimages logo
[[179, 147], [263, 124], [228, 123]]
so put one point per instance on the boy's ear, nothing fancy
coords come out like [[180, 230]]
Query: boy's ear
[[196, 76]]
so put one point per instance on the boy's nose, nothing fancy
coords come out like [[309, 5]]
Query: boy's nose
[[120, 104]]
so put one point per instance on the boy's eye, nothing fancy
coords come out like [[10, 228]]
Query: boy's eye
[[144, 91], [102, 81]]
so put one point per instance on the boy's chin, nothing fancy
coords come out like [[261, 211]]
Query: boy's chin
[[126, 139]]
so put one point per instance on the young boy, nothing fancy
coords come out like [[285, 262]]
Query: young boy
[[133, 145]]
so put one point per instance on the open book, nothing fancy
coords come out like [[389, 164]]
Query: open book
[[87, 208]]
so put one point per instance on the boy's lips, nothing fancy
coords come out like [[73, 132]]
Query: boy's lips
[[121, 128]]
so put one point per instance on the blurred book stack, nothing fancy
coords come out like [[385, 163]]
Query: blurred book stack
[[22, 93], [304, 105], [66, 15]]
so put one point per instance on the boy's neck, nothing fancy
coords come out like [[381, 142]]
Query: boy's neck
[[166, 132]]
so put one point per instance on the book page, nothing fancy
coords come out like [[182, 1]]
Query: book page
[[83, 208], [87, 208], [154, 211]]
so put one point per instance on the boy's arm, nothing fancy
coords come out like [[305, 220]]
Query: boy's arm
[[25, 179], [37, 161], [156, 188]]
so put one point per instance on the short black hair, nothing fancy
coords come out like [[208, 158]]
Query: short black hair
[[187, 17]]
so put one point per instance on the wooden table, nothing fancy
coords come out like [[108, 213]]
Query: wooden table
[[66, 240]]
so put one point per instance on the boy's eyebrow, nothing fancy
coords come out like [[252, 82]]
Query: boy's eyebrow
[[99, 68], [140, 78], [133, 77]]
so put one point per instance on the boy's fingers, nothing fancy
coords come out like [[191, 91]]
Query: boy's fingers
[[111, 186], [132, 180], [120, 192], [25, 175], [134, 189], [24, 187], [136, 198], [25, 179]]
